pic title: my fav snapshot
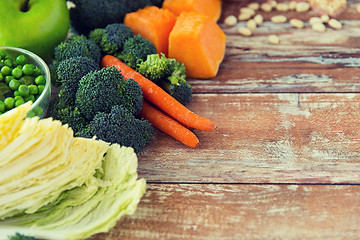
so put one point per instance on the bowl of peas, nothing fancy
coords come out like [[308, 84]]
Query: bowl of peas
[[24, 77]]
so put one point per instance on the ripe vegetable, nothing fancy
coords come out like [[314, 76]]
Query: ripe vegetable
[[91, 14], [154, 24], [199, 43], [120, 126], [55, 186], [211, 8], [156, 95], [23, 82], [169, 74], [168, 125]]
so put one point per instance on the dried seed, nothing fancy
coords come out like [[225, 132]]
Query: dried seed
[[272, 3], [259, 19], [302, 7], [251, 24], [245, 31], [278, 19], [244, 16], [318, 27], [230, 20], [292, 5], [266, 7], [273, 39], [254, 6], [325, 18], [335, 24], [297, 23], [314, 20], [247, 10], [282, 7]]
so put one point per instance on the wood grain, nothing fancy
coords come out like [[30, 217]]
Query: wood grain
[[228, 211], [278, 138]]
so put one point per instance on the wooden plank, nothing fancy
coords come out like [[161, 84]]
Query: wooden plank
[[276, 138], [206, 211]]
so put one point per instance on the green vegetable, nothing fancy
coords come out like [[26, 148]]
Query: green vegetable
[[19, 81], [100, 90], [62, 187], [77, 46], [91, 14], [169, 74], [112, 38], [135, 50], [120, 126]]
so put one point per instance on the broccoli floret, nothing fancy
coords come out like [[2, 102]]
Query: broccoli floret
[[19, 236], [112, 38], [135, 50], [77, 46], [100, 90], [169, 74], [68, 115], [70, 71], [120, 126], [88, 15]]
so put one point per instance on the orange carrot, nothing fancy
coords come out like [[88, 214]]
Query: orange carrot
[[168, 125], [156, 95]]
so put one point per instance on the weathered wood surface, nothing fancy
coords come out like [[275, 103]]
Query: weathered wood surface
[[284, 160], [227, 211]]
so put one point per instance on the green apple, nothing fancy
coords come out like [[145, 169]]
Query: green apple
[[35, 25]]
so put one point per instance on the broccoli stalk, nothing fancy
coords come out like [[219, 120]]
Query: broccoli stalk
[[169, 74]]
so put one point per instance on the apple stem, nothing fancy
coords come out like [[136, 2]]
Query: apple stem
[[25, 6]]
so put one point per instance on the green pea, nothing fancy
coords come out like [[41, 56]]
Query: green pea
[[37, 72], [9, 103], [19, 102], [2, 54], [20, 60], [1, 77], [16, 93], [19, 66], [14, 84], [2, 106], [24, 90], [5, 70], [16, 72], [33, 89], [40, 80], [8, 79], [28, 69], [27, 80], [18, 98], [41, 88], [30, 98], [8, 62]]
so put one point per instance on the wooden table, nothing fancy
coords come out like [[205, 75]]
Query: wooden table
[[284, 161]]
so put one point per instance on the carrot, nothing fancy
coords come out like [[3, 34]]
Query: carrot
[[156, 95], [211, 8], [199, 43], [153, 24], [168, 125]]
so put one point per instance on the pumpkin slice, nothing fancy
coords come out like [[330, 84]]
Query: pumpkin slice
[[199, 43]]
